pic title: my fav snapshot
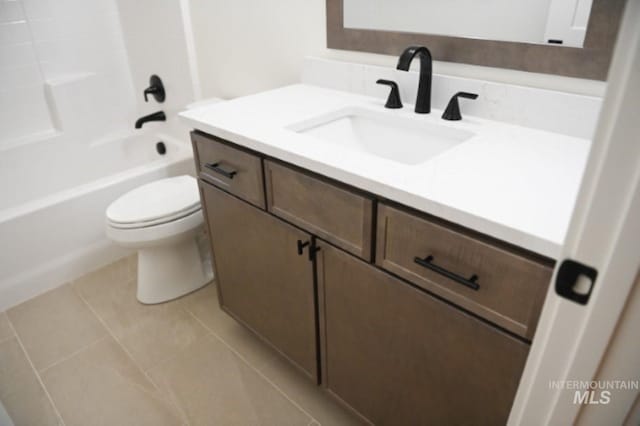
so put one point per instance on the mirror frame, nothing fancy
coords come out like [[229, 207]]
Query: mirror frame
[[591, 61]]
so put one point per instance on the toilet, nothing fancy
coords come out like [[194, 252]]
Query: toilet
[[162, 220]]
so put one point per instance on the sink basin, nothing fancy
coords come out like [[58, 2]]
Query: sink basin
[[399, 139]]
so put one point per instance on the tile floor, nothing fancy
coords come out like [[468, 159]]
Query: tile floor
[[88, 353]]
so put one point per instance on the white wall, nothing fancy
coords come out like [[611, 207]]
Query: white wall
[[247, 46]]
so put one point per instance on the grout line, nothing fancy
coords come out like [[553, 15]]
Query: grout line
[[260, 373], [44, 388], [72, 354], [126, 351]]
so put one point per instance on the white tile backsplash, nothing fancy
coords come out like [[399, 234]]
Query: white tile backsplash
[[556, 111]]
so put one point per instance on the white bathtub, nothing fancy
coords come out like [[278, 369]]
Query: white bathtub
[[52, 202]]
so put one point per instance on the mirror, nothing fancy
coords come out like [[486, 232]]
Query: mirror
[[558, 22], [572, 38]]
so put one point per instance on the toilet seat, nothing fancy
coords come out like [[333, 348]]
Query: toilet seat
[[155, 203]]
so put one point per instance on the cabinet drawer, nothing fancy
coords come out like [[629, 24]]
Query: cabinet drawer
[[229, 168], [510, 286], [337, 215]]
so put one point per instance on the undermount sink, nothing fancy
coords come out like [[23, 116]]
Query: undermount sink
[[407, 141]]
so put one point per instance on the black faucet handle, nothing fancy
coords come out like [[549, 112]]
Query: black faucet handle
[[393, 101], [156, 89], [452, 112]]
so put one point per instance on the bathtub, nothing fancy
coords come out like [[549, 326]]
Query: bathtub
[[52, 212]]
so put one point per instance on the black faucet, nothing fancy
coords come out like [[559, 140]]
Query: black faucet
[[423, 101], [156, 116]]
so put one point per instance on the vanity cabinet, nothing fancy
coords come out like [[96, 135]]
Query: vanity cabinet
[[402, 357], [404, 317], [263, 280]]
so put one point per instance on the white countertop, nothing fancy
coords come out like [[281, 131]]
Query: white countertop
[[513, 183]]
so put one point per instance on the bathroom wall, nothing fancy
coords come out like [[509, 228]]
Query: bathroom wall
[[63, 69], [271, 38]]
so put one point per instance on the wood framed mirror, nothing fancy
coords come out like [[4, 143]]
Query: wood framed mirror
[[591, 61]]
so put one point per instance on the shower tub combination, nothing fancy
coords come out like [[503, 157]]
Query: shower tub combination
[[52, 214]]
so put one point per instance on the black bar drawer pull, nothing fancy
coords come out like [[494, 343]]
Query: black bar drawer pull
[[428, 263], [216, 168]]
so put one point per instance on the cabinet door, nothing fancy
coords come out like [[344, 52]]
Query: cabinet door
[[262, 280], [399, 356]]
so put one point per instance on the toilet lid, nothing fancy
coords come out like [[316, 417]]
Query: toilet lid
[[150, 204]]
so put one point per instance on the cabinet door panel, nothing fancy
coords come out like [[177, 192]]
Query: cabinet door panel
[[402, 357], [262, 281]]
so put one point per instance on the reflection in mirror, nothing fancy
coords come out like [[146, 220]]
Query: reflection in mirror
[[560, 22]]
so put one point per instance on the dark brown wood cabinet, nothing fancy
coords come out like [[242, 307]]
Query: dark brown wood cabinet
[[335, 214], [510, 286], [234, 170], [262, 280], [402, 357], [396, 348]]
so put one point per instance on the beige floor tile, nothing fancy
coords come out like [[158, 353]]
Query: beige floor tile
[[151, 333], [21, 394], [5, 329], [213, 386], [101, 385], [55, 325], [120, 270], [312, 398], [132, 265], [203, 304]]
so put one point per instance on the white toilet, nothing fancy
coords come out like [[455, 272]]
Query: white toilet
[[162, 220]]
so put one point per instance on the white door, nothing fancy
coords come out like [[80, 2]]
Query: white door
[[604, 234]]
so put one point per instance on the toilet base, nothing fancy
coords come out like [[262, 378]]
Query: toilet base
[[167, 272]]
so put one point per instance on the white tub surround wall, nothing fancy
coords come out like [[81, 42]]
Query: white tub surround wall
[[58, 55], [158, 40], [515, 183]]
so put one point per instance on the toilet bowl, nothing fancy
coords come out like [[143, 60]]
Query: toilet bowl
[[161, 220]]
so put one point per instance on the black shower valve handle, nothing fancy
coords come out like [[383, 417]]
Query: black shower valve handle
[[155, 89]]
